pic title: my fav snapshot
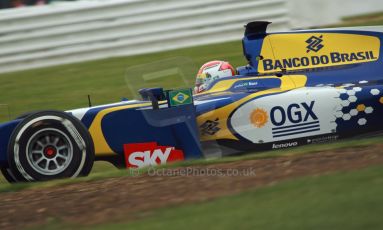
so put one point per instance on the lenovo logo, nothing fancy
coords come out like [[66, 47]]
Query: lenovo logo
[[284, 145], [149, 154]]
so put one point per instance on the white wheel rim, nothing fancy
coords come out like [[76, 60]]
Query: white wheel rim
[[49, 151]]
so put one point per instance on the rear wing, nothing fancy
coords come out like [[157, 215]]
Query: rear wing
[[252, 41], [309, 49]]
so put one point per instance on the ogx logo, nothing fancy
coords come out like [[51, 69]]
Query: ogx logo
[[295, 113], [294, 119]]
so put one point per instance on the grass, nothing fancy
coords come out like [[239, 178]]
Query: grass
[[104, 170], [372, 19], [339, 201], [67, 86], [343, 200]]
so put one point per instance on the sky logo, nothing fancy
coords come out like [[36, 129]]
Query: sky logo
[[139, 155]]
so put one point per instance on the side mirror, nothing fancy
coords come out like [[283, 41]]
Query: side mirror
[[154, 95]]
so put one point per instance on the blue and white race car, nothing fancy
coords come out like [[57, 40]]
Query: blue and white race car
[[300, 87]]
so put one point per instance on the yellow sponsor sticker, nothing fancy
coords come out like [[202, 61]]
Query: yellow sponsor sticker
[[313, 50]]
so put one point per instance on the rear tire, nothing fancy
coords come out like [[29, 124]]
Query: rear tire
[[50, 145]]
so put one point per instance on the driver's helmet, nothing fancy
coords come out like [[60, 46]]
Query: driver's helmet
[[211, 71]]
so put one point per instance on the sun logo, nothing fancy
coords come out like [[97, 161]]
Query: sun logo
[[259, 117]]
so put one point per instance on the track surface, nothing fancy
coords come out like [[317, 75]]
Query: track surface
[[128, 198]]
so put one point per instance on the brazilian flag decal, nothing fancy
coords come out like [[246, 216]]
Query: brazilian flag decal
[[180, 97]]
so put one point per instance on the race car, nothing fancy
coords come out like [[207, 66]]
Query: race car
[[299, 87]]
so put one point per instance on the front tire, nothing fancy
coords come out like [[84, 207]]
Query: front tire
[[50, 145], [8, 175]]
